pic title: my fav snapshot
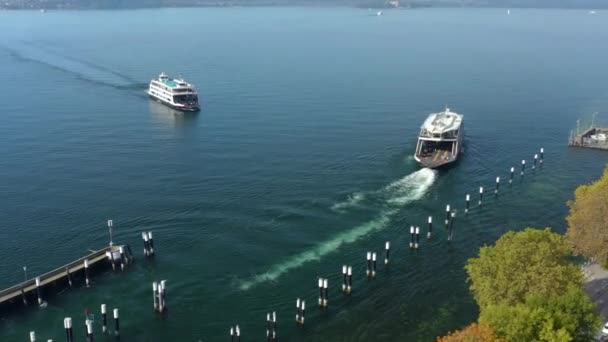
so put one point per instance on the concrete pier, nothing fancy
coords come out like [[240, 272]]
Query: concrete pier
[[64, 274]]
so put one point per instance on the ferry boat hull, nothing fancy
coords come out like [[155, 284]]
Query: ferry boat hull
[[440, 140], [173, 105], [176, 93]]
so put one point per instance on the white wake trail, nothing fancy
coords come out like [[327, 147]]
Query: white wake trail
[[401, 192]]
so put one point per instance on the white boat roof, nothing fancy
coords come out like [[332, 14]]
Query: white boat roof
[[438, 123]]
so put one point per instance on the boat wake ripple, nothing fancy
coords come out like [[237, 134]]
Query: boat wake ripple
[[83, 70], [401, 192]]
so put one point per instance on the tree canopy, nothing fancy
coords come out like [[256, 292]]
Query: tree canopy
[[532, 261], [473, 333], [563, 318], [588, 220]]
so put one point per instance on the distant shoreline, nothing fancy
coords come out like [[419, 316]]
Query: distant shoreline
[[362, 5]]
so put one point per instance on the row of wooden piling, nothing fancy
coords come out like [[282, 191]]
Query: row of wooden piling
[[89, 333]]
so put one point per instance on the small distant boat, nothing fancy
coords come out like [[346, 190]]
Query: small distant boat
[[42, 10], [508, 12], [592, 12], [440, 139], [379, 13], [175, 93]]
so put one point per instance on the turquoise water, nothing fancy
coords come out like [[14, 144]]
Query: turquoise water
[[299, 162]]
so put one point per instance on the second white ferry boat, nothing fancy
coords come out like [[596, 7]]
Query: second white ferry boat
[[175, 93], [440, 139]]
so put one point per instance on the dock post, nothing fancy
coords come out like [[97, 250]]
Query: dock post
[[123, 260], [411, 237], [349, 286], [32, 336], [430, 232], [116, 323], [68, 275], [237, 330], [151, 243], [344, 279], [89, 325], [104, 319], [302, 312], [373, 266], [23, 297], [497, 185], [298, 310], [144, 236], [274, 326], [468, 202], [268, 327], [231, 334], [535, 160], [417, 237], [325, 292], [480, 196], [38, 291], [387, 251], [512, 173], [447, 216], [451, 230], [542, 153], [523, 167], [162, 295], [320, 283], [155, 294], [86, 272], [69, 334], [368, 270]]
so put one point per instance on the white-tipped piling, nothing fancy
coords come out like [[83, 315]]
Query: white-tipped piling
[[320, 284], [512, 173], [344, 279], [430, 232], [38, 291], [387, 251], [349, 286], [162, 296], [535, 161], [86, 273], [411, 237], [373, 264], [146, 239], [368, 270], [325, 292], [417, 243], [480, 203], [523, 167], [116, 323], [542, 154], [302, 312], [69, 333], [104, 319], [89, 326], [155, 294], [467, 203], [32, 336], [497, 185], [150, 244], [451, 230], [447, 215]]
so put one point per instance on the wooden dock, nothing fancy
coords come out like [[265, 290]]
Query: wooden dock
[[592, 137], [108, 256]]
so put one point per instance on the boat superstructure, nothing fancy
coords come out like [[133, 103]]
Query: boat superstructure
[[440, 139], [175, 93]]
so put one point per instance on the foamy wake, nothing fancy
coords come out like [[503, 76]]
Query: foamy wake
[[401, 192]]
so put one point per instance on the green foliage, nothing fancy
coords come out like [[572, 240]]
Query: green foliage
[[562, 318], [588, 222], [521, 263]]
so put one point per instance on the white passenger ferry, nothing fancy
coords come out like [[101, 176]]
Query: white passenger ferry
[[440, 139], [175, 93]]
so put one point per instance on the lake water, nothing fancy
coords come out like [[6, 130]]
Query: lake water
[[300, 161]]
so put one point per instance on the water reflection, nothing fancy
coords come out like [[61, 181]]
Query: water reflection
[[170, 116]]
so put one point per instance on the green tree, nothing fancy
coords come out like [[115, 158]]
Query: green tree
[[521, 263], [473, 333], [588, 220], [559, 318]]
